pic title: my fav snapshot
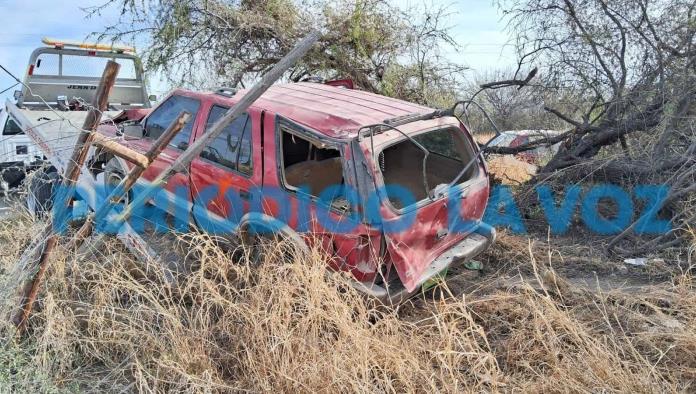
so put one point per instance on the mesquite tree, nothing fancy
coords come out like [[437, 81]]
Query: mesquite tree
[[629, 63], [630, 66], [381, 47]]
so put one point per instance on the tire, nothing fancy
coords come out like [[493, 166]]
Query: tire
[[41, 191], [259, 239], [255, 243], [14, 175]]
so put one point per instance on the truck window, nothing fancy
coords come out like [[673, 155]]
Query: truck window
[[127, 70], [401, 164], [166, 113], [310, 167], [47, 64], [51, 64], [440, 142], [11, 128], [93, 66], [232, 148]]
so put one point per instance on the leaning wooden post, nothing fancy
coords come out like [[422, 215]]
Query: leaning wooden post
[[182, 162], [67, 189], [129, 181]]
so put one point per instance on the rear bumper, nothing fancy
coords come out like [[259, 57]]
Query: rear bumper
[[11, 164], [478, 241]]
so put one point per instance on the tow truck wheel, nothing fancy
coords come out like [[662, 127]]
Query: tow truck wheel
[[13, 175], [40, 193]]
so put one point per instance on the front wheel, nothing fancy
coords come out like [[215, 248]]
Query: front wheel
[[255, 243], [277, 244]]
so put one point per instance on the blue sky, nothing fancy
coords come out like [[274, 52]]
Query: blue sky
[[476, 26]]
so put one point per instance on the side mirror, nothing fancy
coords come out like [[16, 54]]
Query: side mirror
[[152, 97], [182, 145], [133, 131]]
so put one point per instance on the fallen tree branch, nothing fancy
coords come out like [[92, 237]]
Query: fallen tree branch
[[544, 141], [563, 117], [520, 83]]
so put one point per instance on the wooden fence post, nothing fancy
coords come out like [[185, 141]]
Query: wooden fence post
[[66, 190]]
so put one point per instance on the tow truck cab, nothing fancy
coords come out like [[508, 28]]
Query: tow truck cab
[[392, 191], [60, 82], [16, 150]]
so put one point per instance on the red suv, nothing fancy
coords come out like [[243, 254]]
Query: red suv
[[392, 191]]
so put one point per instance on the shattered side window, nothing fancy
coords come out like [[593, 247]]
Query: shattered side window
[[315, 169], [440, 142]]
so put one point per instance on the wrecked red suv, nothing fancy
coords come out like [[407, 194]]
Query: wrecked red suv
[[392, 191]]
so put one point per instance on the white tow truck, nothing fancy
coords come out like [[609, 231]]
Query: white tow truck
[[59, 85], [60, 82]]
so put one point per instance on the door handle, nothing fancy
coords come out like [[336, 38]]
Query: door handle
[[244, 194]]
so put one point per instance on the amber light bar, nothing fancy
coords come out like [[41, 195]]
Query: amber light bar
[[86, 45]]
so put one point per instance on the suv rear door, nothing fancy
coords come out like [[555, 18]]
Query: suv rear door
[[420, 223]]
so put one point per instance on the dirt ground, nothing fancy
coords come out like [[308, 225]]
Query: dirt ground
[[516, 260]]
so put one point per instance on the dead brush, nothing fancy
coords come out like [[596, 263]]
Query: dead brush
[[552, 336], [229, 325], [108, 323]]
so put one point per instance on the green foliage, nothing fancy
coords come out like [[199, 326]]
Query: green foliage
[[18, 372], [206, 43]]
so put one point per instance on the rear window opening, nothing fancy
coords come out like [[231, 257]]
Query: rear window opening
[[64, 65], [402, 164], [312, 168]]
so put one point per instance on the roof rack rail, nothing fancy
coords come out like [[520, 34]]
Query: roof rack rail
[[412, 117], [226, 91], [394, 122]]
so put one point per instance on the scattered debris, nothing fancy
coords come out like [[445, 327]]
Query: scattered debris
[[473, 265], [638, 262]]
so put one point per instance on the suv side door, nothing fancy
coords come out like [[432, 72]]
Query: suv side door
[[230, 163]]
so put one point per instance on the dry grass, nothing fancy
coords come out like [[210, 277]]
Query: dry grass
[[103, 324], [510, 170]]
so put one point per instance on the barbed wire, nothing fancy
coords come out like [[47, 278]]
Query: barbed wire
[[5, 90]]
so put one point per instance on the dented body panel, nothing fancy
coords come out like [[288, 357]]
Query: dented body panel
[[431, 234]]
